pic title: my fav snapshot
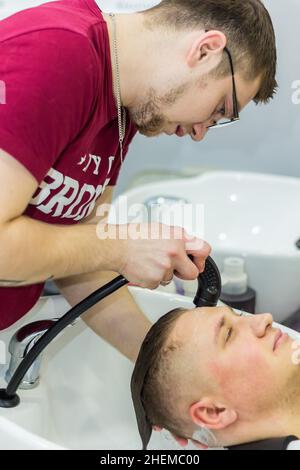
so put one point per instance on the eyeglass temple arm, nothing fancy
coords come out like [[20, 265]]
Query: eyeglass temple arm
[[235, 104]]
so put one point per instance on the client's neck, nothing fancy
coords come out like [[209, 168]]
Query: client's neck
[[290, 412], [283, 419], [293, 424], [279, 423]]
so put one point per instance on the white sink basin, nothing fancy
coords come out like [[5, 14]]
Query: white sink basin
[[83, 400], [245, 214]]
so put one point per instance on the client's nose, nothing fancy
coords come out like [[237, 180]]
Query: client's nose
[[260, 323]]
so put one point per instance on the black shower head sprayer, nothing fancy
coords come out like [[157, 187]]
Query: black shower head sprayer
[[209, 285]]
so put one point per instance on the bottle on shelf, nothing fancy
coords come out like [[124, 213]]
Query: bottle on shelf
[[235, 290]]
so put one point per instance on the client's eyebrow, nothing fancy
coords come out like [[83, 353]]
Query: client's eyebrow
[[231, 309], [219, 326]]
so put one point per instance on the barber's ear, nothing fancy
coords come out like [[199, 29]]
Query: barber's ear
[[207, 413], [205, 47]]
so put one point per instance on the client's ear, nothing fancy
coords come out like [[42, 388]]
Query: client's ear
[[207, 413]]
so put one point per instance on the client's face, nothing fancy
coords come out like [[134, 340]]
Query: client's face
[[240, 361]]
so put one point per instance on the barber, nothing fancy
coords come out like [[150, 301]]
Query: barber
[[78, 85]]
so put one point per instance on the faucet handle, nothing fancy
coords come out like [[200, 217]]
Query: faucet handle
[[27, 335]]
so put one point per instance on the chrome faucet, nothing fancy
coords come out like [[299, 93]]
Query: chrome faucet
[[158, 205], [30, 341], [161, 200], [20, 344]]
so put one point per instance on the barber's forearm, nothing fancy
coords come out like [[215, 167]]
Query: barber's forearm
[[120, 322], [32, 251], [117, 318]]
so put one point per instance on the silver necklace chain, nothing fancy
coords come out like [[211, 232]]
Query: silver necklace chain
[[121, 118]]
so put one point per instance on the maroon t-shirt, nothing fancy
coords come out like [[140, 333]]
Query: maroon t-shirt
[[59, 117]]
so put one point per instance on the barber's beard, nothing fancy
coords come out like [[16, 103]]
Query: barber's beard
[[148, 119], [147, 115]]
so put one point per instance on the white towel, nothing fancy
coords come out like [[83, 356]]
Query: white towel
[[295, 445]]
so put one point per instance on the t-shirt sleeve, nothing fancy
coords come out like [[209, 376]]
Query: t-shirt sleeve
[[49, 81]]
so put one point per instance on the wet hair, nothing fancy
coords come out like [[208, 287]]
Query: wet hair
[[246, 24], [149, 382]]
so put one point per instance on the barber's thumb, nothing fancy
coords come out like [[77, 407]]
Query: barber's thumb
[[198, 250], [196, 246]]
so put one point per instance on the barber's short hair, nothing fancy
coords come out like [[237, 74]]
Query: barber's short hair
[[246, 24], [147, 382]]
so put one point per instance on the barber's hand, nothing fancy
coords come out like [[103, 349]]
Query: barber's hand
[[184, 442], [150, 254]]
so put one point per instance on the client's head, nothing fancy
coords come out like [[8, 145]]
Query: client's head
[[228, 378]]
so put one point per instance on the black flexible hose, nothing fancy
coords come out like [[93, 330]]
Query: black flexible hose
[[208, 293], [60, 325]]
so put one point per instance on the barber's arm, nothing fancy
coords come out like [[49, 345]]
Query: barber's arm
[[32, 251], [117, 318]]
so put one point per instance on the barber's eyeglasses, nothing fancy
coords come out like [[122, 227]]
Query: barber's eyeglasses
[[236, 117]]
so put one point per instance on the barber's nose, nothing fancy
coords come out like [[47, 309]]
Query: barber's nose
[[199, 133], [260, 323]]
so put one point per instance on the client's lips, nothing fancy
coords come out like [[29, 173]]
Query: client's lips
[[279, 338]]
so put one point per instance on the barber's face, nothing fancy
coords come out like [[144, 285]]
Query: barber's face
[[192, 106], [243, 358]]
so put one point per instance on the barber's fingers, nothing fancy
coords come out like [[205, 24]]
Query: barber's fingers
[[199, 249], [168, 277], [186, 269], [196, 245], [182, 441], [199, 445]]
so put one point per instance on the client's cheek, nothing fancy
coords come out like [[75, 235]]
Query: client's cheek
[[254, 358], [221, 374], [242, 372]]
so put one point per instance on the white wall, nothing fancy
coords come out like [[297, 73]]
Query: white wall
[[267, 137], [126, 6]]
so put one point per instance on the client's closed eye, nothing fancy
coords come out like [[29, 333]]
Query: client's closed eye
[[228, 335]]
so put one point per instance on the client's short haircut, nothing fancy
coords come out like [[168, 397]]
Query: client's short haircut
[[150, 387]]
